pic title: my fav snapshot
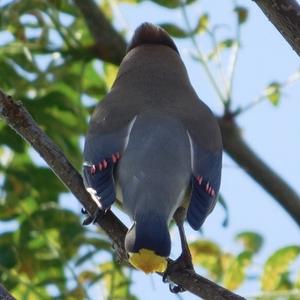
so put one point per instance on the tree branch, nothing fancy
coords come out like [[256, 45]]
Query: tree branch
[[234, 145], [238, 149], [285, 16], [110, 45], [19, 119], [4, 294]]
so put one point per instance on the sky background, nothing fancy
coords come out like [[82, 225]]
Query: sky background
[[273, 132]]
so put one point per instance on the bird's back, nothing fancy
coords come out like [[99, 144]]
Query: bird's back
[[158, 150]]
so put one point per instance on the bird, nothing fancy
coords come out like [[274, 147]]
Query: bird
[[153, 144]]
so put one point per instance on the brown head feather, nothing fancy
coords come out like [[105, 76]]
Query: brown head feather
[[148, 33]]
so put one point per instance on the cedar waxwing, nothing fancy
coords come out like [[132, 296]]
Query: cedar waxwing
[[153, 139]]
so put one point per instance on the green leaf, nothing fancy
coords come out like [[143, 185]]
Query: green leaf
[[277, 266], [273, 93], [110, 72], [207, 254], [115, 281], [87, 276], [225, 44], [297, 281], [9, 138], [174, 30], [234, 275], [93, 83], [9, 76], [172, 3], [228, 43], [242, 14], [202, 24], [251, 241], [222, 202], [8, 257], [31, 184]]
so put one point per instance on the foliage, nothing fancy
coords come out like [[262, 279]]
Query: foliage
[[232, 270], [47, 61], [48, 65]]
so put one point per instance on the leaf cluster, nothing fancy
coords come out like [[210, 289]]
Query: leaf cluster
[[232, 270], [46, 60]]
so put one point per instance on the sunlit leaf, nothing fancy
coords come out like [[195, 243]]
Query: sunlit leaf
[[297, 281], [87, 276], [202, 24], [116, 283], [76, 293], [277, 266], [234, 275], [106, 7], [207, 254], [225, 44], [110, 71], [174, 30], [29, 291], [129, 1], [251, 241], [172, 3], [273, 93]]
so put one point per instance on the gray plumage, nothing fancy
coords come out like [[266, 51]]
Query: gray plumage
[[168, 141]]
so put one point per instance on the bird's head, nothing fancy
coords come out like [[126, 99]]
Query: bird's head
[[148, 245], [150, 34]]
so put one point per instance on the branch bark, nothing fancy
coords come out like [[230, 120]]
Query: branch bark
[[285, 16], [4, 294], [19, 119], [240, 151], [110, 45]]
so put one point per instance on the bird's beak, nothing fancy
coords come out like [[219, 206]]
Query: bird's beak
[[147, 261]]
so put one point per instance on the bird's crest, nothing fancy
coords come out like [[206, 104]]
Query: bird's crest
[[148, 33]]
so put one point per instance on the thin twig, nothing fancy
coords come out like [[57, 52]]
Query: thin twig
[[201, 55]]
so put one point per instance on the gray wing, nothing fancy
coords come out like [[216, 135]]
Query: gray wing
[[205, 183], [106, 140]]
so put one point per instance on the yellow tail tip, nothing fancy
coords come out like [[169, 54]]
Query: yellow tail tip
[[147, 261]]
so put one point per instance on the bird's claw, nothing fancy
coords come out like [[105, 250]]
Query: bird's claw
[[84, 211], [183, 262], [91, 219], [176, 289]]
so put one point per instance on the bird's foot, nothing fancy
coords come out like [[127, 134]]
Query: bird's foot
[[183, 262], [91, 219]]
